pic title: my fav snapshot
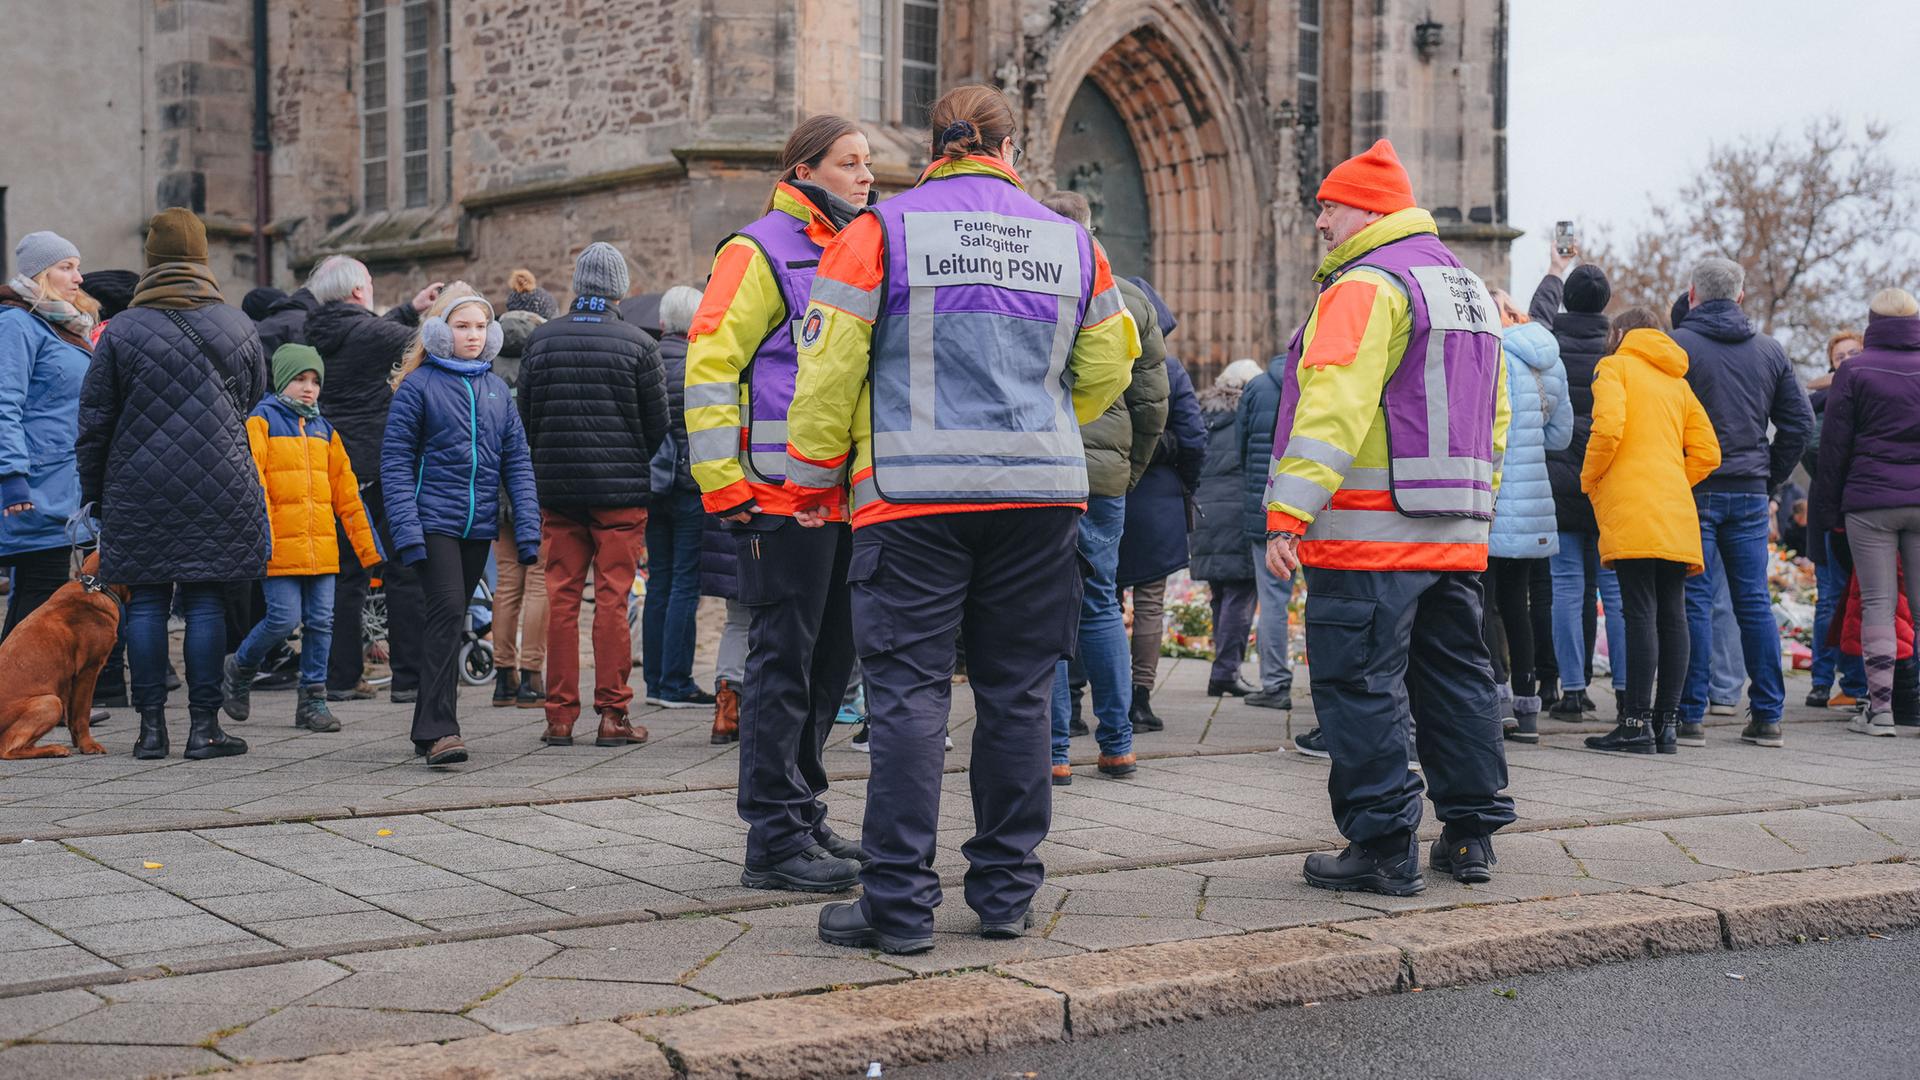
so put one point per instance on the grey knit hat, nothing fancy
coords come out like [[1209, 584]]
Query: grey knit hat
[[600, 271], [39, 250]]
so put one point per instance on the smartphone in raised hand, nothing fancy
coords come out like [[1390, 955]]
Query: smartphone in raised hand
[[1563, 238]]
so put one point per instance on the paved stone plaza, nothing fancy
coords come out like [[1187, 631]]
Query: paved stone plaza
[[327, 893]]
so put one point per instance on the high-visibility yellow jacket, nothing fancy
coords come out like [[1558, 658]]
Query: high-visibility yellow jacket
[[741, 306], [1352, 343], [832, 415]]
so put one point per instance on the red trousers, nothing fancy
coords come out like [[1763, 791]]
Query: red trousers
[[611, 542]]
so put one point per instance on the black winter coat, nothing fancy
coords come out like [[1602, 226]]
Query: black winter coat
[[594, 401], [1583, 342], [1259, 415], [163, 448], [1154, 540], [1744, 380], [361, 350], [286, 322], [1220, 548], [719, 562], [672, 464]]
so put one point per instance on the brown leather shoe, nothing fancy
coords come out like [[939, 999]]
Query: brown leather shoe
[[1117, 765], [726, 714], [558, 734], [447, 750], [615, 731], [1062, 775]]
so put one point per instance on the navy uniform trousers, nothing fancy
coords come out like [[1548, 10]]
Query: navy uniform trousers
[[1386, 648], [799, 659], [1010, 581]]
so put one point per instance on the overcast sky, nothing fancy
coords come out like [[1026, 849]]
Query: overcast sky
[[1612, 101]]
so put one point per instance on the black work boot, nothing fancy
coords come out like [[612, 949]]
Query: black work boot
[[236, 686], [312, 713], [532, 694], [1549, 693], [1906, 692], [153, 734], [1631, 735], [845, 923], [1467, 857], [206, 740], [1666, 731], [1573, 707], [1141, 711], [811, 869], [506, 684], [1076, 721], [840, 847], [1389, 866]]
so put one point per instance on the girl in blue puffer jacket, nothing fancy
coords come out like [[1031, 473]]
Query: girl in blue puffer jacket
[[1519, 581], [453, 442]]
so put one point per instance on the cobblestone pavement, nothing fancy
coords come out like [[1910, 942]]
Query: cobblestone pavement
[[405, 912]]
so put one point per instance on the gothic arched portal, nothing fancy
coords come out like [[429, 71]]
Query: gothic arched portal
[[1172, 74], [1096, 157]]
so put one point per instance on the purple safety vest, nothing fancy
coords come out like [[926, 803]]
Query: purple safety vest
[[985, 293], [1439, 402], [794, 258]]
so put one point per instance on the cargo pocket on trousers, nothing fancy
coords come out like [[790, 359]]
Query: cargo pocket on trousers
[[872, 609], [1339, 637], [757, 570]]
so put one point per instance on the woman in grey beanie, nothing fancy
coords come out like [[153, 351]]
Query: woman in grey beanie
[[45, 348]]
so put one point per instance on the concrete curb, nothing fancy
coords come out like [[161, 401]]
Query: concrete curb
[[950, 1015]]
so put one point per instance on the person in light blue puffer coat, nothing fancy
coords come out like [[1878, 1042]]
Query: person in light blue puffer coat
[[1519, 582]]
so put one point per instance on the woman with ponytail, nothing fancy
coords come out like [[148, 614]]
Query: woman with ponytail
[[957, 337], [741, 364], [453, 443]]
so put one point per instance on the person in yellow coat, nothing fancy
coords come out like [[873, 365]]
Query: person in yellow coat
[[308, 480], [1652, 441]]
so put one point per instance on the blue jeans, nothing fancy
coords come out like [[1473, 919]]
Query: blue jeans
[[292, 602], [203, 605], [1276, 660], [1733, 536], [1830, 581], [1104, 650], [1728, 675], [673, 594], [1577, 575]]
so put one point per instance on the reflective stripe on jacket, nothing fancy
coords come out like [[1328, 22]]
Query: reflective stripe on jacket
[[1010, 344], [742, 339], [1333, 477]]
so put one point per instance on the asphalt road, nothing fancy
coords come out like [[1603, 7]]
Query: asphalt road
[[1847, 1009]]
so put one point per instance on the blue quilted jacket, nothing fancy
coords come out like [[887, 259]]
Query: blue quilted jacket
[[453, 440], [1524, 524]]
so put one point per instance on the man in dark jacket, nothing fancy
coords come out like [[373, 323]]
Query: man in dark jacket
[[286, 320], [594, 401], [1745, 381], [361, 350], [1581, 331], [162, 452], [1258, 413]]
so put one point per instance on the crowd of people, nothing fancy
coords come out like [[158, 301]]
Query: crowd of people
[[897, 461]]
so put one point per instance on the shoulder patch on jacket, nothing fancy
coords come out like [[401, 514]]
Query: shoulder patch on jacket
[[1340, 322]]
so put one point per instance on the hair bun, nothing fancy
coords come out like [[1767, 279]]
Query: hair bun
[[959, 137]]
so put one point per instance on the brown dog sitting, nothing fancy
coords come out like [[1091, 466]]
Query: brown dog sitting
[[48, 666]]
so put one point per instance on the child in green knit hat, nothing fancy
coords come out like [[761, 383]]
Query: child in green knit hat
[[309, 483]]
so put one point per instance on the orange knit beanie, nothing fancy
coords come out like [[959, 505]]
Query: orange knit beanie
[[1373, 181]]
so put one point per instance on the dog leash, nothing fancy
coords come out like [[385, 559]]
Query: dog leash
[[93, 584]]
